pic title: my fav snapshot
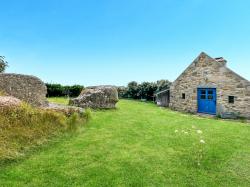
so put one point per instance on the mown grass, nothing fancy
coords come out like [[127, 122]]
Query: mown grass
[[140, 144], [59, 100], [25, 128]]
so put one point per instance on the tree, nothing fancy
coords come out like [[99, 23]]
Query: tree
[[3, 64], [122, 92], [163, 85], [147, 89], [57, 90], [133, 91]]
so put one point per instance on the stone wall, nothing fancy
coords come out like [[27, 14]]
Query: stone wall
[[206, 72], [26, 88]]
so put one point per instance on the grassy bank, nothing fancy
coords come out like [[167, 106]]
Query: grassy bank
[[25, 128], [140, 144]]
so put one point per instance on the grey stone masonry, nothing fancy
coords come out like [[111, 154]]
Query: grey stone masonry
[[24, 87], [207, 72]]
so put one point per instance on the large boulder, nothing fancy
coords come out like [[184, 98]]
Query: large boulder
[[24, 87], [101, 97]]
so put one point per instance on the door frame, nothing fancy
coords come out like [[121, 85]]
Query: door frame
[[198, 99]]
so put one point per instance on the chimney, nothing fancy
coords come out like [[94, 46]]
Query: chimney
[[221, 60]]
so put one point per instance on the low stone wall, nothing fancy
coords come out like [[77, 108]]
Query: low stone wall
[[24, 87]]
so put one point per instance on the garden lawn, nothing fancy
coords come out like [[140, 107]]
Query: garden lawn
[[59, 100], [140, 144]]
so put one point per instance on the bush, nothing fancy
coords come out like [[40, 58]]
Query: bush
[[144, 90], [122, 92], [57, 90], [147, 90]]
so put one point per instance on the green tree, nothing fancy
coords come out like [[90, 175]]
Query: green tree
[[147, 89], [3, 64], [133, 90], [163, 85], [58, 90], [122, 92]]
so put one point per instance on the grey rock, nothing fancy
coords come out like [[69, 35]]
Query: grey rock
[[24, 87], [67, 110], [101, 97], [9, 101]]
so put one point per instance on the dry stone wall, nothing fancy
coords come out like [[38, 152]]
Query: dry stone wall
[[26, 88], [206, 72]]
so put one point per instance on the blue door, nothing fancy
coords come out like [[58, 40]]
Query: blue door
[[207, 100]]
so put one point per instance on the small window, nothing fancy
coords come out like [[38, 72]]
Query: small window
[[203, 92], [210, 92], [183, 96], [231, 99], [203, 96], [210, 97]]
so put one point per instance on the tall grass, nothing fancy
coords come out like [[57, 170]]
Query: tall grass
[[23, 128]]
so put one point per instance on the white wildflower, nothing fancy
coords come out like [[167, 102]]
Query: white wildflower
[[176, 131], [202, 141], [185, 132], [199, 131]]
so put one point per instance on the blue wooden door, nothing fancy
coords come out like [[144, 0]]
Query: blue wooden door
[[207, 100]]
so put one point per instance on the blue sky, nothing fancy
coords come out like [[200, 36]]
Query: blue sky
[[94, 42]]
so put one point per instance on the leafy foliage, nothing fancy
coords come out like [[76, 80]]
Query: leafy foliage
[[163, 85], [57, 90], [144, 90], [3, 64], [133, 90]]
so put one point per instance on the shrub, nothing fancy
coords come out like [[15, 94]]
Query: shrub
[[57, 90], [73, 122], [122, 92], [87, 115], [133, 90], [144, 90]]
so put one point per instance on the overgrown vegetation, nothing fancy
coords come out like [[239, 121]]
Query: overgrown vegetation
[[144, 90], [58, 90], [23, 128], [3, 64]]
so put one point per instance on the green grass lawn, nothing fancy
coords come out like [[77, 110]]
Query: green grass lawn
[[140, 144], [59, 100]]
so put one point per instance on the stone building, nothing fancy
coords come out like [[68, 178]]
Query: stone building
[[208, 86]]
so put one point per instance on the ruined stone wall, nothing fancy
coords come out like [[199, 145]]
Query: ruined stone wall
[[26, 88], [205, 72]]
